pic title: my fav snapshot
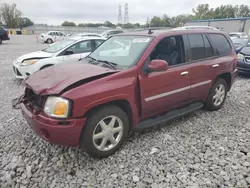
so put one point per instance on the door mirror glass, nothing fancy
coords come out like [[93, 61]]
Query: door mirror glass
[[157, 65], [69, 52]]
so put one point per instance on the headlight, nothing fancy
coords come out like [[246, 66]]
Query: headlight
[[56, 107], [29, 62], [240, 56]]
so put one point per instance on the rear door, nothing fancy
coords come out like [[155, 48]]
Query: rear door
[[204, 64], [60, 36], [161, 91], [223, 51]]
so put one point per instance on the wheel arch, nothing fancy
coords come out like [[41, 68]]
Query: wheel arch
[[228, 78], [47, 65], [121, 103]]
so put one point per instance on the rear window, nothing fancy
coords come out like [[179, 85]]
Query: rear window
[[221, 44]]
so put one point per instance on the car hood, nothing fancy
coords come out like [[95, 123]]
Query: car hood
[[245, 51], [38, 54], [54, 79]]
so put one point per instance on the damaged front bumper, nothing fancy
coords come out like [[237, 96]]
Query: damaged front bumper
[[62, 132], [17, 101]]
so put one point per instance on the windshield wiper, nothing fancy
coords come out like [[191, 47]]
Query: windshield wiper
[[111, 64]]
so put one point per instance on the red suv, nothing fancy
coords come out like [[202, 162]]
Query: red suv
[[131, 81]]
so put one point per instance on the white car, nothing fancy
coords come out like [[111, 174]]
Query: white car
[[86, 35], [109, 33], [71, 49], [238, 35], [51, 37]]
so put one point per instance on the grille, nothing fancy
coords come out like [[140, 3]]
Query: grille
[[34, 99], [16, 71], [247, 59]]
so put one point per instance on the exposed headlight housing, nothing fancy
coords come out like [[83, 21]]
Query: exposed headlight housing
[[29, 62], [57, 107], [240, 56]]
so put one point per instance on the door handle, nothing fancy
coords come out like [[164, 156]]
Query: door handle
[[184, 73], [215, 65]]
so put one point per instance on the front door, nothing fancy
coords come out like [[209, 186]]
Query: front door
[[161, 91]]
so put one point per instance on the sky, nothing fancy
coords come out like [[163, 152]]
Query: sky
[[54, 12]]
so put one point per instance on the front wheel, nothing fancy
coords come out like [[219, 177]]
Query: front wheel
[[49, 41], [105, 131], [217, 95]]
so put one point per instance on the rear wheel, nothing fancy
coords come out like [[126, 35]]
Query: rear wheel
[[105, 131], [217, 95]]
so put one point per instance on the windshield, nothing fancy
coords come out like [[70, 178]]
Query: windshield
[[240, 42], [123, 51], [56, 47]]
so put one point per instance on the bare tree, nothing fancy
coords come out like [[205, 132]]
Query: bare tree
[[11, 16]]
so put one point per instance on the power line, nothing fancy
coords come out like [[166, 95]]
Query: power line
[[119, 14], [126, 20]]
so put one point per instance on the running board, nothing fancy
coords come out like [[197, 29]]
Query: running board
[[169, 116]]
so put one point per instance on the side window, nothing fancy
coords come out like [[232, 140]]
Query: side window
[[170, 49], [98, 42], [220, 43], [197, 46], [59, 34], [81, 47], [51, 33], [208, 47]]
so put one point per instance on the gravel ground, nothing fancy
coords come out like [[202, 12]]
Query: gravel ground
[[204, 149]]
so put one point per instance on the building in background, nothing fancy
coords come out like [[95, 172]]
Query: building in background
[[226, 25]]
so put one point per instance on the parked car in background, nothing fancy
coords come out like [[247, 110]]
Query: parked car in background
[[3, 34], [243, 65], [240, 43], [95, 102], [86, 35], [68, 50], [51, 37], [109, 33], [238, 35]]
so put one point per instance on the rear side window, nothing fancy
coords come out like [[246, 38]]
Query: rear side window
[[221, 44], [208, 47], [197, 46]]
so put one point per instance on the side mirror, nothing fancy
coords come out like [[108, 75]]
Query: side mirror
[[157, 65], [68, 52]]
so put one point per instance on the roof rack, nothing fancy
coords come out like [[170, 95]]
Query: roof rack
[[196, 27]]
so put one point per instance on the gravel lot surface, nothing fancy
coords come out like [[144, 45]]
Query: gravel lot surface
[[204, 149]]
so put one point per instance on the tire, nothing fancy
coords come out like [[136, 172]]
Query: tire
[[107, 113], [211, 104], [1, 40], [49, 41]]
